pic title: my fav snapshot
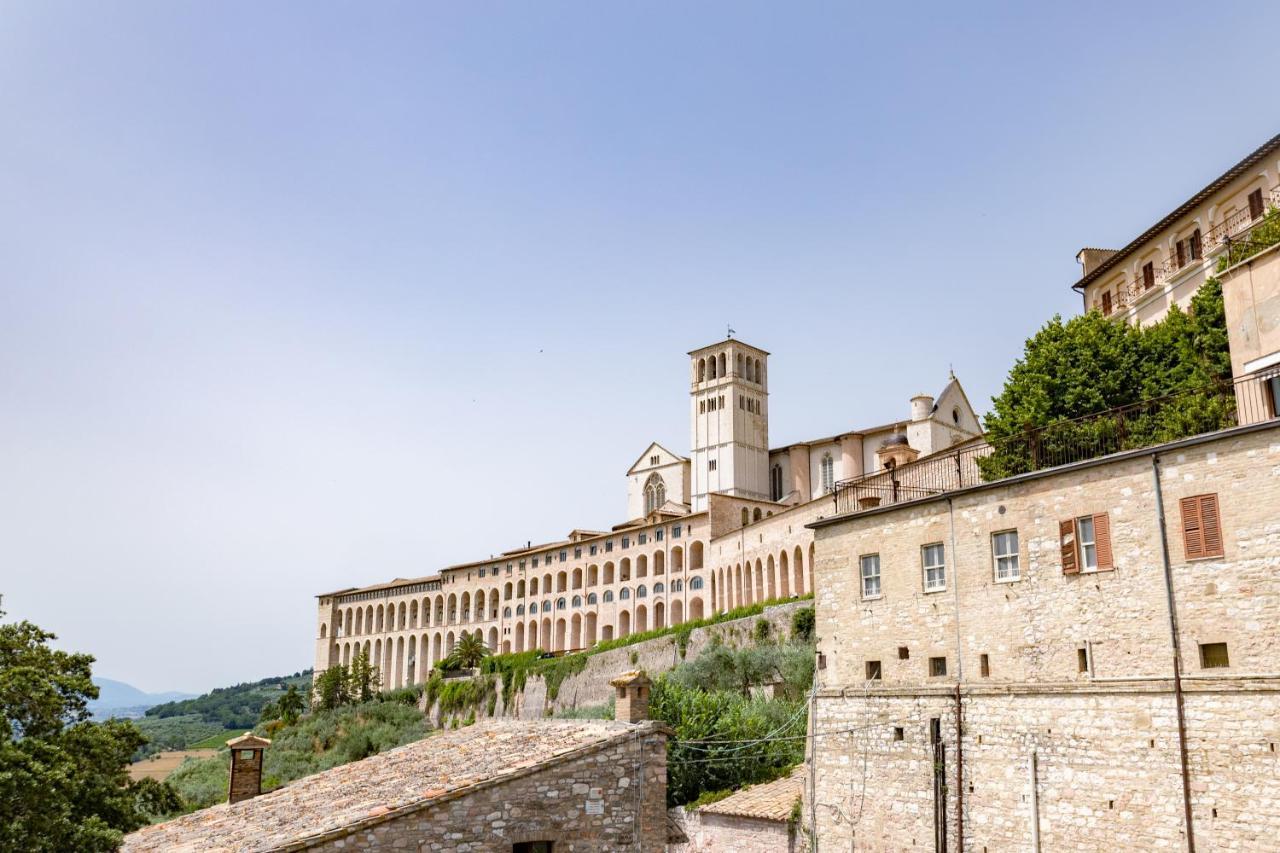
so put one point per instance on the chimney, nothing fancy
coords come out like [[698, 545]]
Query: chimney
[[632, 704], [246, 766], [1091, 259]]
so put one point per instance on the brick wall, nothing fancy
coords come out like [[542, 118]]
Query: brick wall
[[1106, 740]]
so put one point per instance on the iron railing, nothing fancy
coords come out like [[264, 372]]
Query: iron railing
[[1145, 424]]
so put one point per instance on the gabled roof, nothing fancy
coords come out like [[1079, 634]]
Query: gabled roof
[[769, 801], [648, 451], [1253, 159], [335, 803]]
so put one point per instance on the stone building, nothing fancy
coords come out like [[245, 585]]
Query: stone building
[[1082, 657], [1168, 262], [758, 819], [554, 785], [721, 528]]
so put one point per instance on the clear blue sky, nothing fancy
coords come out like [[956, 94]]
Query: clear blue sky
[[295, 296]]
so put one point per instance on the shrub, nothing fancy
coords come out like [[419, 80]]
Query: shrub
[[802, 625], [761, 631]]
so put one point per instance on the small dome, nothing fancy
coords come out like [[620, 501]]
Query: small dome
[[894, 440]]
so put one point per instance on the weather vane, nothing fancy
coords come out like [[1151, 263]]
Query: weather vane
[[730, 328]]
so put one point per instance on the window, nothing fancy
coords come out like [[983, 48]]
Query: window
[[1086, 544], [1201, 527], [653, 460], [742, 402], [533, 847], [624, 593], [655, 493], [608, 546], [546, 606], [1255, 204], [1148, 275], [643, 538], [1214, 656], [1084, 660], [642, 592], [675, 532], [985, 663], [937, 667], [577, 601], [696, 583], [870, 568], [935, 571], [658, 588], [873, 670], [711, 466], [1106, 303], [899, 733], [626, 541], [775, 483], [594, 548], [564, 555], [657, 535], [1188, 250], [608, 595], [904, 653], [591, 598], [827, 471], [535, 562], [1004, 548], [483, 572], [577, 552]]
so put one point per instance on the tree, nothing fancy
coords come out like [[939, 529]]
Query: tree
[[291, 705], [469, 652], [333, 688], [1171, 378], [63, 779], [364, 678]]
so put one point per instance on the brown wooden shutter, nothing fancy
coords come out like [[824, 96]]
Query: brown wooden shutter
[[1197, 249], [1182, 253], [1102, 541], [1067, 539], [1192, 528], [1255, 204], [1211, 525], [1148, 275], [1106, 302]]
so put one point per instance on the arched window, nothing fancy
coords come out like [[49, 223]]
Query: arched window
[[655, 493], [546, 607], [775, 482], [711, 368], [506, 613], [624, 594], [677, 586], [695, 583], [591, 598], [828, 471], [560, 604], [746, 517], [702, 370], [722, 366], [740, 366], [642, 592], [608, 595], [520, 610], [659, 589], [577, 601], [755, 514]]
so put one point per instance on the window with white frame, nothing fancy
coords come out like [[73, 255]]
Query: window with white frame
[[1004, 548], [870, 569], [1088, 543], [828, 471], [933, 558]]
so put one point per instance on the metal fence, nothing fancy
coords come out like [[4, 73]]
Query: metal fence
[[1198, 411]]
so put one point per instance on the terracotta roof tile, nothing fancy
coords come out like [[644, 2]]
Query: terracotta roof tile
[[770, 801]]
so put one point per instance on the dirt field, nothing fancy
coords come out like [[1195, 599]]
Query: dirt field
[[160, 765]]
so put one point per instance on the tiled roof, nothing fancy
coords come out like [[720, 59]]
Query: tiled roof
[[402, 779], [770, 801]]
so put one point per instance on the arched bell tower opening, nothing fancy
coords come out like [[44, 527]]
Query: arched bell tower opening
[[729, 417]]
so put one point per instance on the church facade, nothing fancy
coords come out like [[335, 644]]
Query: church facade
[[720, 528]]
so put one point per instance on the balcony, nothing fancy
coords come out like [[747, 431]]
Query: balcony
[[1149, 423]]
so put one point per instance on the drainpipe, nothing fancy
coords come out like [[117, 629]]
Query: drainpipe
[[1177, 654], [955, 592], [1035, 803]]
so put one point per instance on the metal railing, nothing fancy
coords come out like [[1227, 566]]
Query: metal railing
[[1148, 423]]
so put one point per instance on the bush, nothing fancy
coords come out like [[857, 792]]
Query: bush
[[802, 625], [761, 631]]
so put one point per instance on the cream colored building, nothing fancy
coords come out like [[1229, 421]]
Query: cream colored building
[[721, 528], [1168, 262]]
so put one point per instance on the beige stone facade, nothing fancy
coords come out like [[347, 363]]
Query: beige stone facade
[[997, 667], [689, 552], [1167, 263], [500, 786]]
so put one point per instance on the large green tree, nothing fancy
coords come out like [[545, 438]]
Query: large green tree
[[63, 779], [1092, 364]]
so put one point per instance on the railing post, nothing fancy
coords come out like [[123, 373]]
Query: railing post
[[959, 471]]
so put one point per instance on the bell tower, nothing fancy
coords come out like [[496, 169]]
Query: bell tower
[[729, 416]]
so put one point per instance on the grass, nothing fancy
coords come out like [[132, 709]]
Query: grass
[[217, 741]]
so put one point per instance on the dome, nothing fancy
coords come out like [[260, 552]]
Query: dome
[[894, 440]]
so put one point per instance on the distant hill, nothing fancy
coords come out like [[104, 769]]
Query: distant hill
[[235, 707], [118, 699]]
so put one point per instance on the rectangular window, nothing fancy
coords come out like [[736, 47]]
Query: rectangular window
[[535, 562], [657, 535], [1256, 208], [985, 662], [577, 552], [626, 541], [642, 538], [1214, 656], [742, 402], [593, 549], [1088, 547], [870, 567], [1004, 548], [711, 466], [675, 532], [522, 565], [564, 555], [1084, 660], [937, 667], [935, 570], [1201, 527], [1148, 275], [1106, 303], [873, 670], [483, 572], [904, 653], [608, 545]]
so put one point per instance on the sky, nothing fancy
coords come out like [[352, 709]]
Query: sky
[[297, 296]]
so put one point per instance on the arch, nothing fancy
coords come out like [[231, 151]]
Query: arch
[[413, 613], [436, 650], [771, 578], [740, 597], [546, 606], [659, 563], [403, 620], [346, 654], [379, 619], [759, 372], [479, 605], [721, 364], [562, 581], [655, 493], [677, 559], [439, 609], [448, 644], [519, 609], [506, 612], [659, 615], [520, 589], [608, 573], [324, 630], [561, 604], [464, 606], [506, 591], [756, 515], [590, 639], [808, 581], [606, 633], [624, 569], [593, 575], [592, 598], [575, 631], [642, 619], [624, 593], [533, 586], [711, 367], [519, 635], [798, 569], [453, 608], [783, 578], [746, 517], [546, 582], [576, 602], [546, 633], [577, 579], [608, 595], [642, 591], [506, 647], [759, 589], [702, 370], [642, 566], [493, 640], [695, 556], [740, 370], [677, 612], [624, 624], [533, 635], [397, 678]]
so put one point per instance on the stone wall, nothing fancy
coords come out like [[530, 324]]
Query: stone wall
[[707, 832], [612, 798], [1077, 668]]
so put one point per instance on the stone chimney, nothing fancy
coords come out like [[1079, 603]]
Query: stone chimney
[[632, 705], [1091, 259], [246, 766]]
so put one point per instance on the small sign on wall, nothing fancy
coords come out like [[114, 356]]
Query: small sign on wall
[[595, 801]]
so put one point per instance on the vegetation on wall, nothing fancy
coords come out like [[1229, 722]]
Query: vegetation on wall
[[1262, 236], [1091, 364]]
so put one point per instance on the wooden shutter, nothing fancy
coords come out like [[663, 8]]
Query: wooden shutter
[[1201, 526], [1067, 539], [1106, 302], [1102, 541], [1148, 275], [1182, 253], [1255, 204], [1197, 249]]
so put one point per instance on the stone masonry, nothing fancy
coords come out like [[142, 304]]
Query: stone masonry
[[1063, 682]]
